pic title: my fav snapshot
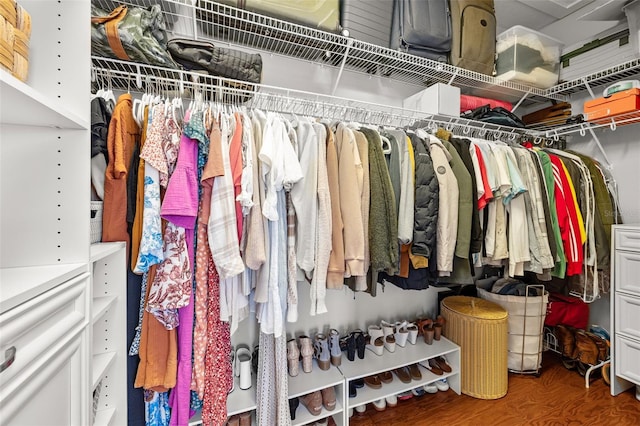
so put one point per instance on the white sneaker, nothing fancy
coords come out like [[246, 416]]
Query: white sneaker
[[392, 401], [361, 408], [442, 385], [350, 412], [430, 388], [380, 404]]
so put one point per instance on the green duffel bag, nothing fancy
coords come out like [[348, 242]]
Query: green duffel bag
[[131, 34]]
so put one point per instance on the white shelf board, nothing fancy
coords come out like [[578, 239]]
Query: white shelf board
[[100, 306], [303, 416], [317, 379], [17, 285], [22, 105], [410, 354], [242, 400], [104, 417], [366, 394], [99, 366], [102, 250]]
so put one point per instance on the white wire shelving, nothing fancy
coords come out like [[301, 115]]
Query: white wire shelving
[[207, 19], [130, 76]]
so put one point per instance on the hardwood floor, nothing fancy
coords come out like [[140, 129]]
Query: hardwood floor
[[557, 397]]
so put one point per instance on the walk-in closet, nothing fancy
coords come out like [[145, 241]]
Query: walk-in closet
[[327, 212]]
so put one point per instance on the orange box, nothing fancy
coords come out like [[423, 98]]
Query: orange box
[[624, 105]]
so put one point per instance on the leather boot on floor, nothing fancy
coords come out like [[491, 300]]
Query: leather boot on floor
[[586, 348], [565, 336]]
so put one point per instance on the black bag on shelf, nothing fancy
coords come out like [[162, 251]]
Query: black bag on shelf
[[221, 62], [497, 115]]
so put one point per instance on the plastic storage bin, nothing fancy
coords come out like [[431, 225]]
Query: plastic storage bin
[[528, 57]]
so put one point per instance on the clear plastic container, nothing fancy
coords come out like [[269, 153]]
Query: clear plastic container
[[528, 57]]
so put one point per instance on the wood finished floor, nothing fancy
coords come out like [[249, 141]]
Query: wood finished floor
[[557, 397]]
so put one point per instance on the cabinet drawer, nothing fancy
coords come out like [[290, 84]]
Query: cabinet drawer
[[627, 271], [627, 354], [627, 313], [627, 239], [37, 326]]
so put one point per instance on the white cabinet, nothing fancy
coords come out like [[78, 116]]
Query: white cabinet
[[625, 308], [44, 223], [109, 334], [47, 336]]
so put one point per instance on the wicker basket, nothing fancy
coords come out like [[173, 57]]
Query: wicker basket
[[96, 221], [15, 31], [7, 40]]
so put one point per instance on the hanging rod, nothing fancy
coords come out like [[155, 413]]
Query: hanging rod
[[129, 76]]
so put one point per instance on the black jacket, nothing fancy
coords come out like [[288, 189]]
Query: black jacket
[[426, 200]]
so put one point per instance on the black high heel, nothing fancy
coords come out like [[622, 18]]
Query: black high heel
[[348, 344], [293, 406], [360, 343]]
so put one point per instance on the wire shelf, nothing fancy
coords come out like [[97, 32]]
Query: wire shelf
[[131, 76], [206, 19], [606, 76]]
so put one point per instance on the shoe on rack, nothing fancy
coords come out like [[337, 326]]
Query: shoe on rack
[[403, 374], [322, 422], [403, 396], [391, 400], [428, 331], [380, 404], [329, 398], [352, 389], [418, 392], [306, 351], [321, 351], [233, 421], [361, 408], [293, 406], [414, 372], [348, 345], [432, 366], [389, 336], [334, 347], [373, 382], [442, 364], [430, 388], [313, 402], [350, 412], [442, 385], [586, 348], [361, 343], [376, 340], [413, 333], [565, 335], [293, 357], [243, 366], [386, 377], [437, 331], [359, 383], [245, 418], [401, 334], [439, 322]]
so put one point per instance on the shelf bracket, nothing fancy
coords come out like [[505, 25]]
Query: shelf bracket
[[453, 76], [602, 151], [586, 84], [342, 64], [521, 100]]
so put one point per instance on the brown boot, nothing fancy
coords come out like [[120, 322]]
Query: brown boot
[[566, 340], [603, 347], [586, 348]]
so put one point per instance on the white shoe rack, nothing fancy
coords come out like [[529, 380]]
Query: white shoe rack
[[240, 401]]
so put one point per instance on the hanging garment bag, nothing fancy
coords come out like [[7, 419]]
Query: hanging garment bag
[[368, 21], [422, 28], [473, 39]]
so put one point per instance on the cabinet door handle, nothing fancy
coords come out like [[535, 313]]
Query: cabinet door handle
[[9, 357]]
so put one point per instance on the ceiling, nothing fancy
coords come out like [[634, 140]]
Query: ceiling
[[570, 21]]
